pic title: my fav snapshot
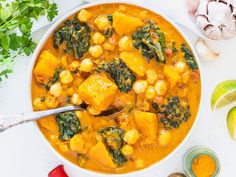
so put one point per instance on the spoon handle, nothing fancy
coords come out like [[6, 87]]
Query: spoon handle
[[8, 121]]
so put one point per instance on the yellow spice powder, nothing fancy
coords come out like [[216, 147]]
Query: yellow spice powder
[[203, 166]]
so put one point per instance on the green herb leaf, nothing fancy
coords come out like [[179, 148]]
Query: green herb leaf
[[5, 42], [18, 15]]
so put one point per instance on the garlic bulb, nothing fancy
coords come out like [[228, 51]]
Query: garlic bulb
[[204, 51], [216, 18]]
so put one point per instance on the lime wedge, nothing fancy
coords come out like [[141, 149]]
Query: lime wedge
[[231, 122], [224, 94]]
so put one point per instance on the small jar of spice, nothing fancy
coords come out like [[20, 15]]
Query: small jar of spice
[[201, 162]]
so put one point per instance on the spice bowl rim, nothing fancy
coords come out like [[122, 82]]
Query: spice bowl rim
[[196, 151]]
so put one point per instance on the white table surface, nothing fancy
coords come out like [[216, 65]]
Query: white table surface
[[24, 154]]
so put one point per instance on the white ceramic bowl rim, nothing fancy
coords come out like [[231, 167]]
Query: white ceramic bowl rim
[[85, 172]]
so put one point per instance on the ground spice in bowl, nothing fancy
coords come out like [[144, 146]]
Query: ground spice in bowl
[[204, 166]]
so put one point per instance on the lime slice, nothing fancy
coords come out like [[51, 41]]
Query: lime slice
[[231, 122], [224, 94]]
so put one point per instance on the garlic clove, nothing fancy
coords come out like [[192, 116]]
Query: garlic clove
[[202, 21], [212, 32], [192, 6], [226, 34], [204, 51]]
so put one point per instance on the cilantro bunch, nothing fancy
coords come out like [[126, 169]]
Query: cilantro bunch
[[16, 20]]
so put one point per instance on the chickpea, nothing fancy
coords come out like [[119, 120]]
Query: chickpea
[[151, 76], [98, 38], [150, 93], [86, 65], [161, 87], [96, 51], [125, 43], [84, 15], [180, 66], [39, 104], [74, 65], [76, 100], [108, 46], [56, 89], [140, 86], [51, 102], [102, 22], [127, 150], [66, 77], [93, 111], [131, 136], [164, 137]]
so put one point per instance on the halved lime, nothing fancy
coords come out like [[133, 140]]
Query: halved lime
[[223, 94], [231, 122]]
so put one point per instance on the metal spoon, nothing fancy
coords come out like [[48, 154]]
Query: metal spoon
[[8, 121]]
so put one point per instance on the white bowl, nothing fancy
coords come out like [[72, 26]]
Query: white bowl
[[81, 171]]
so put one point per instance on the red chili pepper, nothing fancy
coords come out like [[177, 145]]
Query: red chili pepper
[[58, 172]]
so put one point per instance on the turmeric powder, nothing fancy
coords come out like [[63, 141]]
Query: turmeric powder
[[204, 166]]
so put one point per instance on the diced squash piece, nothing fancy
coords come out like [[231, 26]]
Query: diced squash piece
[[101, 154], [48, 123], [124, 24], [172, 75], [77, 144], [46, 67], [102, 22], [135, 61], [147, 125], [98, 91], [124, 99]]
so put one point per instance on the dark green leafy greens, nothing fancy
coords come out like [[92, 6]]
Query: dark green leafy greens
[[54, 79], [188, 55], [173, 48], [18, 15], [173, 113], [69, 125], [113, 139], [120, 73], [150, 41], [76, 36]]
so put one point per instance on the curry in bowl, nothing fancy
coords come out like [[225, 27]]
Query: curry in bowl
[[109, 57]]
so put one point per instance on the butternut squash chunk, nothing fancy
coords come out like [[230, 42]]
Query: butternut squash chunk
[[172, 75], [101, 154], [123, 23], [135, 61], [147, 125], [46, 66], [98, 91]]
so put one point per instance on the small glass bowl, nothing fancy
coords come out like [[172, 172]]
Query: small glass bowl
[[194, 153]]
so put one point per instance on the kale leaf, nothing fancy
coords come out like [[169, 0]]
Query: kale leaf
[[113, 138], [120, 73], [69, 125], [76, 35], [188, 55], [150, 41], [173, 113]]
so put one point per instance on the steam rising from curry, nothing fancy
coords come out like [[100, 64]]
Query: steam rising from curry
[[111, 56]]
